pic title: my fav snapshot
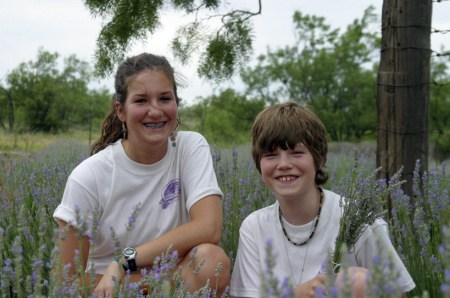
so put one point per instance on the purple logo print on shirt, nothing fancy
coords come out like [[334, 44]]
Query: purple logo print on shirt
[[170, 193]]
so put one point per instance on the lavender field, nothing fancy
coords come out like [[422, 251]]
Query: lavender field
[[31, 187]]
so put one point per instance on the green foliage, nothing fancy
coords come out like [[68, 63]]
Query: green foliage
[[30, 187], [49, 99], [221, 51], [244, 192], [229, 48], [187, 38], [422, 254], [224, 118], [440, 107], [130, 20], [332, 73]]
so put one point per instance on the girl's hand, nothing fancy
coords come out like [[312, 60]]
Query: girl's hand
[[309, 288], [105, 287]]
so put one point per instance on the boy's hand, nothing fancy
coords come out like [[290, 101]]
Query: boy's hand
[[308, 289], [105, 287], [358, 279]]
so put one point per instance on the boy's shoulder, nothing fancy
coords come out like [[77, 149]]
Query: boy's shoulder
[[332, 200], [262, 216], [266, 211]]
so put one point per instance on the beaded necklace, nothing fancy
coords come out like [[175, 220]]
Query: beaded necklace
[[280, 216]]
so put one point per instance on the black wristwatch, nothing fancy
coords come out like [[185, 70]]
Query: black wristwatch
[[130, 255]]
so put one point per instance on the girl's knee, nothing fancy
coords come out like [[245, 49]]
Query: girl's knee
[[216, 261], [215, 268], [213, 254]]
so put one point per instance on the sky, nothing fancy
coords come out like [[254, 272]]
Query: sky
[[66, 27]]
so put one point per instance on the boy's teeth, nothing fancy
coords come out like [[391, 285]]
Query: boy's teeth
[[286, 178]]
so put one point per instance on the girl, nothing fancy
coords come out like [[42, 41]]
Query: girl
[[141, 163]]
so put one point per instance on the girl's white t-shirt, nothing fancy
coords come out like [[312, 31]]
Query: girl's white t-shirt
[[115, 185]]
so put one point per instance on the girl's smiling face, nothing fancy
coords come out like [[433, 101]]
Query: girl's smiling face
[[290, 173], [150, 112]]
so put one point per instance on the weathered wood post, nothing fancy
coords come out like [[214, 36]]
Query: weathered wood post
[[403, 89]]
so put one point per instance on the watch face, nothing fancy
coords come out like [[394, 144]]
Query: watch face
[[130, 254], [128, 251]]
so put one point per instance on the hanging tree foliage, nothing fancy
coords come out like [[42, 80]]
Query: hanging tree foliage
[[222, 51]]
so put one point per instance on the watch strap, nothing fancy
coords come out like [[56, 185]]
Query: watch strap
[[124, 266], [131, 265]]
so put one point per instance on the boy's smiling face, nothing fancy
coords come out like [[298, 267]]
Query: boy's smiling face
[[290, 173]]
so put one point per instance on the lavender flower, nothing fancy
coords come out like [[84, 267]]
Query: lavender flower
[[270, 284], [362, 201], [132, 219], [31, 187]]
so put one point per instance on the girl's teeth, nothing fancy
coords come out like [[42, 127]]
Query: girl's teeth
[[155, 125]]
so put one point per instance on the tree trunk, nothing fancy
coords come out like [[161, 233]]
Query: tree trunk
[[10, 111], [403, 89], [10, 108]]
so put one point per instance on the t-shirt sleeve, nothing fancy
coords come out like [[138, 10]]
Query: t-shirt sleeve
[[79, 198], [375, 245], [198, 176], [246, 276]]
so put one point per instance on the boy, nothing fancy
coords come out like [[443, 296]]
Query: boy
[[289, 148]]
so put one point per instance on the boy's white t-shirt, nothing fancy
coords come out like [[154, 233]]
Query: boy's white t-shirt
[[114, 184], [263, 225]]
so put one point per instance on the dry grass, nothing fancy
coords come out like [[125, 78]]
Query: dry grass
[[17, 144]]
